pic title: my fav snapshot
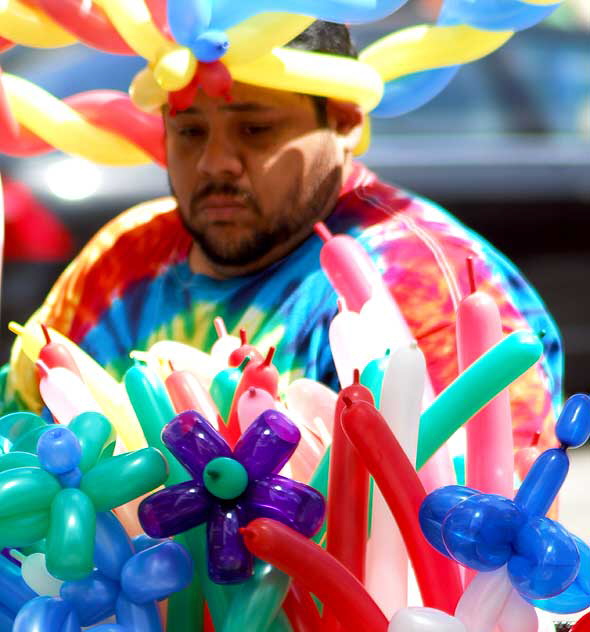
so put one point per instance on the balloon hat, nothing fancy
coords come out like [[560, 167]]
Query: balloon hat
[[207, 43]]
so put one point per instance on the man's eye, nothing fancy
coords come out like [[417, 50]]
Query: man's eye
[[191, 132], [256, 130]]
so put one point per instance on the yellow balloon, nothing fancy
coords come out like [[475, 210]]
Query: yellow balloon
[[61, 126], [365, 140], [260, 34], [425, 47], [314, 73], [174, 66], [108, 393], [31, 27], [145, 92]]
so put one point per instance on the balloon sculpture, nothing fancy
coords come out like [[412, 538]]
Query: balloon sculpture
[[209, 44]]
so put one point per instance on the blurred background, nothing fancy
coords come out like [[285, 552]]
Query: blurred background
[[506, 148]]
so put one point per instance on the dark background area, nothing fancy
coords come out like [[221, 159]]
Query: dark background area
[[506, 148]]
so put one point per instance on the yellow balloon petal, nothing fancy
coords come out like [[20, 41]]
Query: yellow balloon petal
[[174, 65], [29, 26], [260, 34], [145, 92], [314, 73], [365, 140], [63, 128], [425, 47]]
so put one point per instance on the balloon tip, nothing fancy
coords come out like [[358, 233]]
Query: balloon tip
[[269, 356], [356, 376], [252, 391], [15, 328], [541, 334], [45, 333], [243, 336], [219, 327], [471, 274], [322, 231]]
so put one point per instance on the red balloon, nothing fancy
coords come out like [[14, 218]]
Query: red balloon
[[237, 356], [315, 569], [301, 610], [583, 625], [109, 109], [438, 577], [5, 44], [260, 374], [88, 22], [55, 354]]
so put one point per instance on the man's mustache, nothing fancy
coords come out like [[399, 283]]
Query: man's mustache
[[226, 189]]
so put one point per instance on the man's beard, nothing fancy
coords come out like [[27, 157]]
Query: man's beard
[[280, 228]]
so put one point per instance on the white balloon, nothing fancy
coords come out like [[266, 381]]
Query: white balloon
[[36, 575], [424, 620], [223, 347], [518, 615]]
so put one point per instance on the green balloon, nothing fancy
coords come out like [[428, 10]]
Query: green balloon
[[25, 490], [153, 409], [70, 540], [12, 460], [95, 433], [474, 388], [119, 479], [15, 425], [372, 377], [28, 441], [258, 600], [225, 478], [24, 529], [222, 390]]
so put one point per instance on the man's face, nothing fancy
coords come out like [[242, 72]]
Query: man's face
[[251, 176]]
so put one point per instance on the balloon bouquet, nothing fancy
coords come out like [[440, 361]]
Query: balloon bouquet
[[192, 495]]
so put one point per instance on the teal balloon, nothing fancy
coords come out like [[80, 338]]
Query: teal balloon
[[95, 434], [222, 390], [474, 388], [372, 377]]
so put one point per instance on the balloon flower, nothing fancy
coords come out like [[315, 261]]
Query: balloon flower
[[487, 531], [56, 494], [229, 488], [127, 581]]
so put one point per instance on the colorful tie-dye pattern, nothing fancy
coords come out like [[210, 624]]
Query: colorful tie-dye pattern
[[131, 286]]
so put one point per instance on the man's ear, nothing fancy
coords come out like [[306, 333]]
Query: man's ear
[[346, 119]]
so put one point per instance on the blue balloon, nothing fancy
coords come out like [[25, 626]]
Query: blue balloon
[[544, 480], [573, 426], [132, 616], [46, 614], [576, 596], [434, 510], [112, 545], [545, 561], [227, 13], [59, 450], [143, 542], [6, 620], [93, 598], [187, 19], [479, 531], [209, 46], [156, 572], [494, 15], [412, 91], [14, 591]]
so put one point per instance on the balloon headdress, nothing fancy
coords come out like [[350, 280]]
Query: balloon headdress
[[188, 43]]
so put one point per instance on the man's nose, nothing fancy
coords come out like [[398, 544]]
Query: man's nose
[[220, 158]]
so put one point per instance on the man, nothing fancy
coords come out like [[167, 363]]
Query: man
[[250, 177]]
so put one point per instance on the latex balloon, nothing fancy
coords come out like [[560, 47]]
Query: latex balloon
[[573, 426], [229, 488], [476, 386], [397, 480], [187, 393], [424, 620], [319, 572], [253, 403], [490, 460]]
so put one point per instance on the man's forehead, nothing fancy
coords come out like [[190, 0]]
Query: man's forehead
[[247, 98]]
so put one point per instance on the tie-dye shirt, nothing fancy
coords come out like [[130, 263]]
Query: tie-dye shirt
[[132, 286]]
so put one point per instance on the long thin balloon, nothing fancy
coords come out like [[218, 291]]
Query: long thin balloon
[[323, 575], [474, 388], [404, 493]]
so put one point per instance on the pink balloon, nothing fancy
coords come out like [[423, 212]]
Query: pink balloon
[[187, 393], [490, 461], [253, 403]]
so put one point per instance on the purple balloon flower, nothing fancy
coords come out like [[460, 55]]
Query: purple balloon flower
[[230, 488]]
